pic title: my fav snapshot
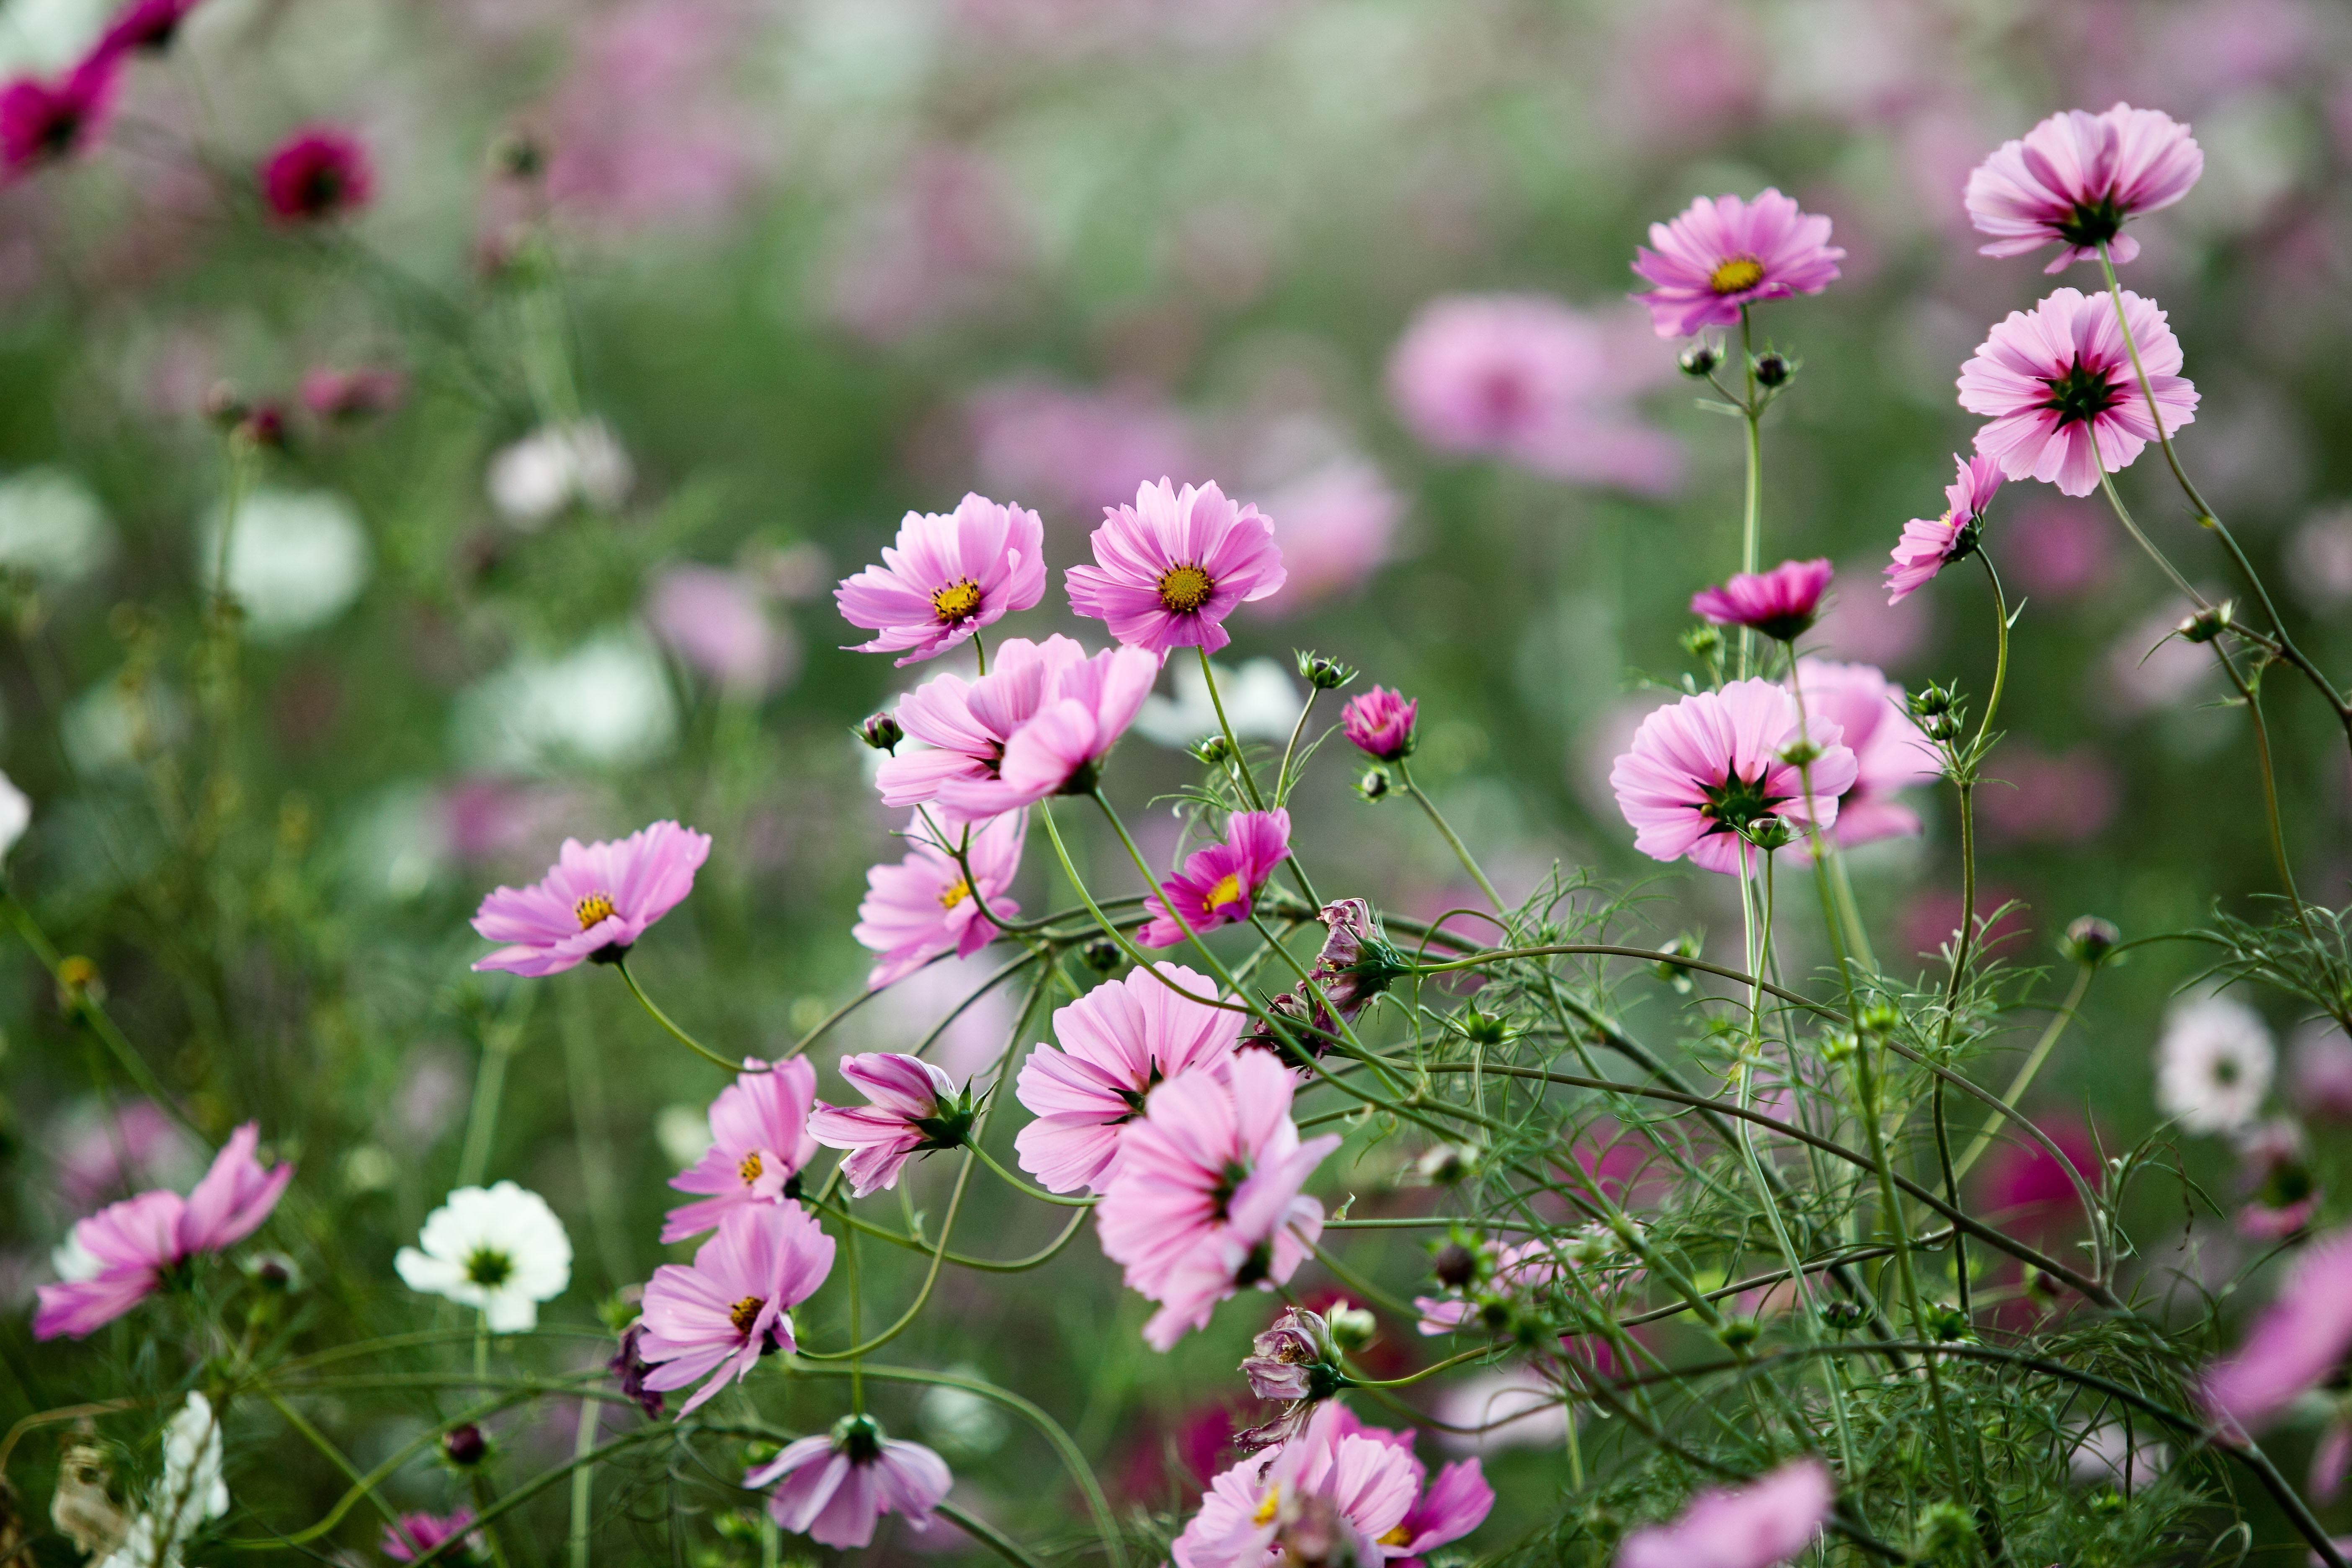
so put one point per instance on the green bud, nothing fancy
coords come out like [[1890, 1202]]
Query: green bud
[[2090, 942], [1323, 674], [1700, 358], [1216, 751], [2208, 623], [1774, 368], [1946, 1533], [1375, 784], [1738, 1333]]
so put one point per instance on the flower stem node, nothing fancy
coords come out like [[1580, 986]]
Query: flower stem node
[[882, 733], [1700, 359], [2208, 623], [2090, 942], [1375, 784], [1321, 673], [1774, 369]]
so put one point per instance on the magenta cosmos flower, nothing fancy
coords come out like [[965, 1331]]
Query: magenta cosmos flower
[[1379, 723], [760, 1143], [593, 903], [835, 1489], [1928, 546], [1890, 753], [925, 906], [1119, 1042], [316, 173], [1768, 1521], [1206, 1196], [2058, 385], [734, 1304], [1218, 885], [914, 1109], [121, 1255], [144, 26], [412, 1535], [1726, 253], [2076, 178], [1339, 1478], [1706, 769], [949, 577], [49, 121], [2296, 1343], [1782, 604], [1170, 568]]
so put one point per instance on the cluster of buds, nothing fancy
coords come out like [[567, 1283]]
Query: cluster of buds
[[1323, 674], [1357, 964], [1937, 709]]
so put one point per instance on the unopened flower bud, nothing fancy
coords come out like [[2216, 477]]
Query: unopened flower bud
[[1703, 641], [1216, 751], [1484, 1028], [1940, 727], [1930, 700], [1700, 358], [1774, 368], [517, 155], [1881, 1018], [1770, 833], [1102, 955], [263, 425], [274, 1272], [1674, 974], [1842, 1315], [1738, 1333], [463, 1445], [1352, 1328], [2089, 940], [1375, 784], [1324, 674], [1455, 1266], [1447, 1164], [1947, 1321], [881, 731], [1946, 1533], [2208, 623]]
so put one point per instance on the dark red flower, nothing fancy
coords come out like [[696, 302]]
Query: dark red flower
[[47, 121], [316, 174]]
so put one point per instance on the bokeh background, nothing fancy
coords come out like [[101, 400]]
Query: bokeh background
[[689, 300]]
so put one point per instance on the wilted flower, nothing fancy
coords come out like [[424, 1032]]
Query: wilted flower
[[2213, 1064], [2298, 1341], [734, 1304], [2058, 385], [1928, 546], [760, 1142], [1170, 568], [316, 173], [1722, 254], [915, 1109], [1782, 604], [1295, 1359], [2076, 178], [834, 1489], [947, 577], [594, 902], [1703, 771], [499, 1248], [1379, 723], [1768, 1521], [925, 906], [1218, 885]]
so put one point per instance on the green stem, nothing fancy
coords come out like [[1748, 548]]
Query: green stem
[[2025, 1074], [697, 1047], [1453, 839], [1751, 533], [2246, 691], [1241, 763], [583, 1479], [1282, 774]]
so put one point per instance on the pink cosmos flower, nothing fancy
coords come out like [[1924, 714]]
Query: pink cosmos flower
[[2076, 178], [1518, 1269], [965, 723], [118, 1151], [1219, 884], [1170, 568], [2058, 385], [734, 1304], [760, 1143], [2296, 1343], [49, 121], [146, 26], [1703, 769], [412, 1535], [924, 906], [1723, 254], [1379, 723], [1338, 526], [915, 1109], [318, 172], [1078, 450], [718, 622], [1119, 1042], [1927, 547], [120, 1256], [1767, 1522], [947, 577], [1890, 753], [349, 394], [2274, 1169], [836, 1488], [1782, 604], [1205, 1199], [593, 903], [1059, 750]]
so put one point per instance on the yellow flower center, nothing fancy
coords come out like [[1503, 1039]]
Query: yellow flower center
[[1396, 1537], [744, 1313], [956, 601], [595, 907], [750, 1168], [1736, 276], [1270, 1506], [955, 893], [1228, 891], [1185, 588]]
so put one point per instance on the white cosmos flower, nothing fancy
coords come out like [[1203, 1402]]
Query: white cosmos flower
[[191, 1491], [608, 701], [295, 560], [555, 465], [2213, 1064], [15, 814], [1260, 702], [52, 526], [501, 1248]]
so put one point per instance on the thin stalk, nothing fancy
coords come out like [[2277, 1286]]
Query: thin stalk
[[1453, 839], [1241, 763], [583, 1479], [680, 1036], [2025, 1074], [1751, 533], [1290, 750], [2247, 691]]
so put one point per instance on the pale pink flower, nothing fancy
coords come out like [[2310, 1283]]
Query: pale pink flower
[[1170, 568], [760, 1143], [1060, 748], [1218, 885], [1706, 769], [717, 621], [965, 723], [121, 1150], [946, 578], [1379, 723], [733, 1304], [2214, 1063], [2076, 178], [1767, 1522], [2043, 798], [2297, 1342], [1928, 545], [1335, 525], [1890, 753], [2330, 1458], [412, 1535], [2058, 385], [1118, 1043], [1723, 254], [594, 902], [1866, 628], [2275, 1171], [117, 1256], [2058, 550], [1078, 450], [1206, 1198], [925, 906], [914, 1109], [836, 1488], [1782, 604]]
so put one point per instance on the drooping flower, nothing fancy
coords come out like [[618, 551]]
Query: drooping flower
[[760, 1143], [2282, 1191], [914, 1109], [1060, 749], [1295, 1359], [499, 1248], [734, 1304], [2298, 1341], [1782, 604], [119, 1149], [1118, 1043], [593, 903], [925, 906], [120, 1256], [1355, 963], [1219, 884], [2213, 1064], [2058, 385], [318, 172], [1928, 546], [1725, 253], [48, 121], [144, 26], [1706, 770], [2076, 179], [1380, 722], [1767, 1522], [836, 1488], [1170, 568], [1890, 753], [1206, 1196], [947, 577], [412, 1535]]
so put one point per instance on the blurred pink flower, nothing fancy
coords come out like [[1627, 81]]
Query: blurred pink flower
[[1059, 749], [1723, 254], [2058, 386], [912, 1108], [1703, 770], [716, 621], [946, 578], [433, 1089], [1380, 723], [1932, 917], [1681, 70], [2322, 1070], [1335, 525], [836, 1488], [48, 121], [1781, 603], [1219, 884], [1865, 628], [1078, 450], [2274, 1171], [733, 1304], [937, 244], [1890, 753], [318, 172], [123, 1149], [593, 902], [2319, 559], [348, 394], [143, 25], [2057, 549], [1767, 1522], [2074, 181], [2028, 1188], [948, 992], [759, 1141], [1928, 546], [2298, 1340], [412, 1535], [1168, 569], [2032, 796], [924, 907]]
